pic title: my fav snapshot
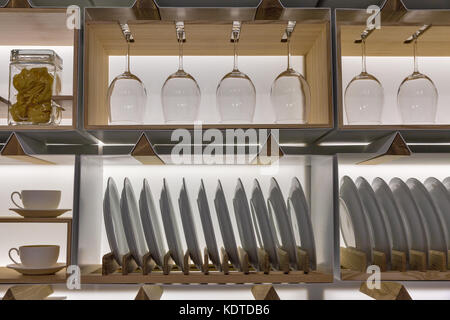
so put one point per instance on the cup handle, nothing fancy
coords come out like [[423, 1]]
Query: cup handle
[[9, 254], [12, 198]]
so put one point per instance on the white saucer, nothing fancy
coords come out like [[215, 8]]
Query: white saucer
[[32, 271], [39, 213]]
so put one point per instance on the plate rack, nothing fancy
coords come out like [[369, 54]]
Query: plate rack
[[111, 272], [354, 265]]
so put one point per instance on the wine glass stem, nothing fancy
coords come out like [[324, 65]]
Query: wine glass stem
[[363, 55], [128, 57], [288, 46], [416, 61], [180, 54], [235, 41]]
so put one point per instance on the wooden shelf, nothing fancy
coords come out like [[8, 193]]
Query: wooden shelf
[[35, 220], [430, 275], [258, 38], [11, 276], [96, 277]]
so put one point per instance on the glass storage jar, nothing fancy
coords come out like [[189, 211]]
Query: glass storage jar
[[34, 78]]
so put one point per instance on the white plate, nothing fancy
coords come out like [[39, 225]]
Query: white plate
[[115, 231], [132, 223], [381, 236], [151, 224], [245, 225], [32, 271], [301, 220], [265, 232], [283, 224], [428, 210], [441, 199], [188, 226], [394, 220], [446, 183], [411, 217], [356, 219], [171, 226], [39, 213], [226, 228], [208, 228]]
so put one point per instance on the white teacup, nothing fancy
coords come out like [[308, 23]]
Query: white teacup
[[38, 199], [37, 256]]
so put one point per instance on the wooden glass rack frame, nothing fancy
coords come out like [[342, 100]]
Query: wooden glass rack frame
[[397, 24], [207, 38], [41, 27]]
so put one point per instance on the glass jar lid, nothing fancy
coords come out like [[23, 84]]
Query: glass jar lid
[[36, 56]]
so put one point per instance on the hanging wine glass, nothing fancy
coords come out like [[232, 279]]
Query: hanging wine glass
[[127, 96], [364, 96], [290, 93], [417, 96], [180, 94], [236, 94]]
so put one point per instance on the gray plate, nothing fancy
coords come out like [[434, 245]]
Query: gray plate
[[359, 221], [428, 210], [132, 223], [113, 222], [410, 215], [391, 212], [245, 225], [208, 228], [302, 220], [151, 224], [381, 236], [446, 183], [226, 228], [283, 224], [441, 199], [264, 228], [171, 226], [188, 226]]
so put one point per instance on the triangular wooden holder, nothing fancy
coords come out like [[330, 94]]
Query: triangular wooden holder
[[264, 156], [437, 260], [225, 261], [28, 292], [18, 4], [283, 258], [264, 292], [244, 261], [109, 264], [148, 264], [387, 291], [205, 266], [353, 259], [144, 152], [398, 261], [149, 292], [302, 260], [13, 149], [387, 149], [168, 263], [264, 261], [417, 260], [379, 259], [186, 262], [129, 265]]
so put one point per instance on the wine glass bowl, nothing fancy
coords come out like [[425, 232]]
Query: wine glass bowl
[[236, 98], [180, 98], [417, 99], [127, 98], [364, 99], [290, 96]]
